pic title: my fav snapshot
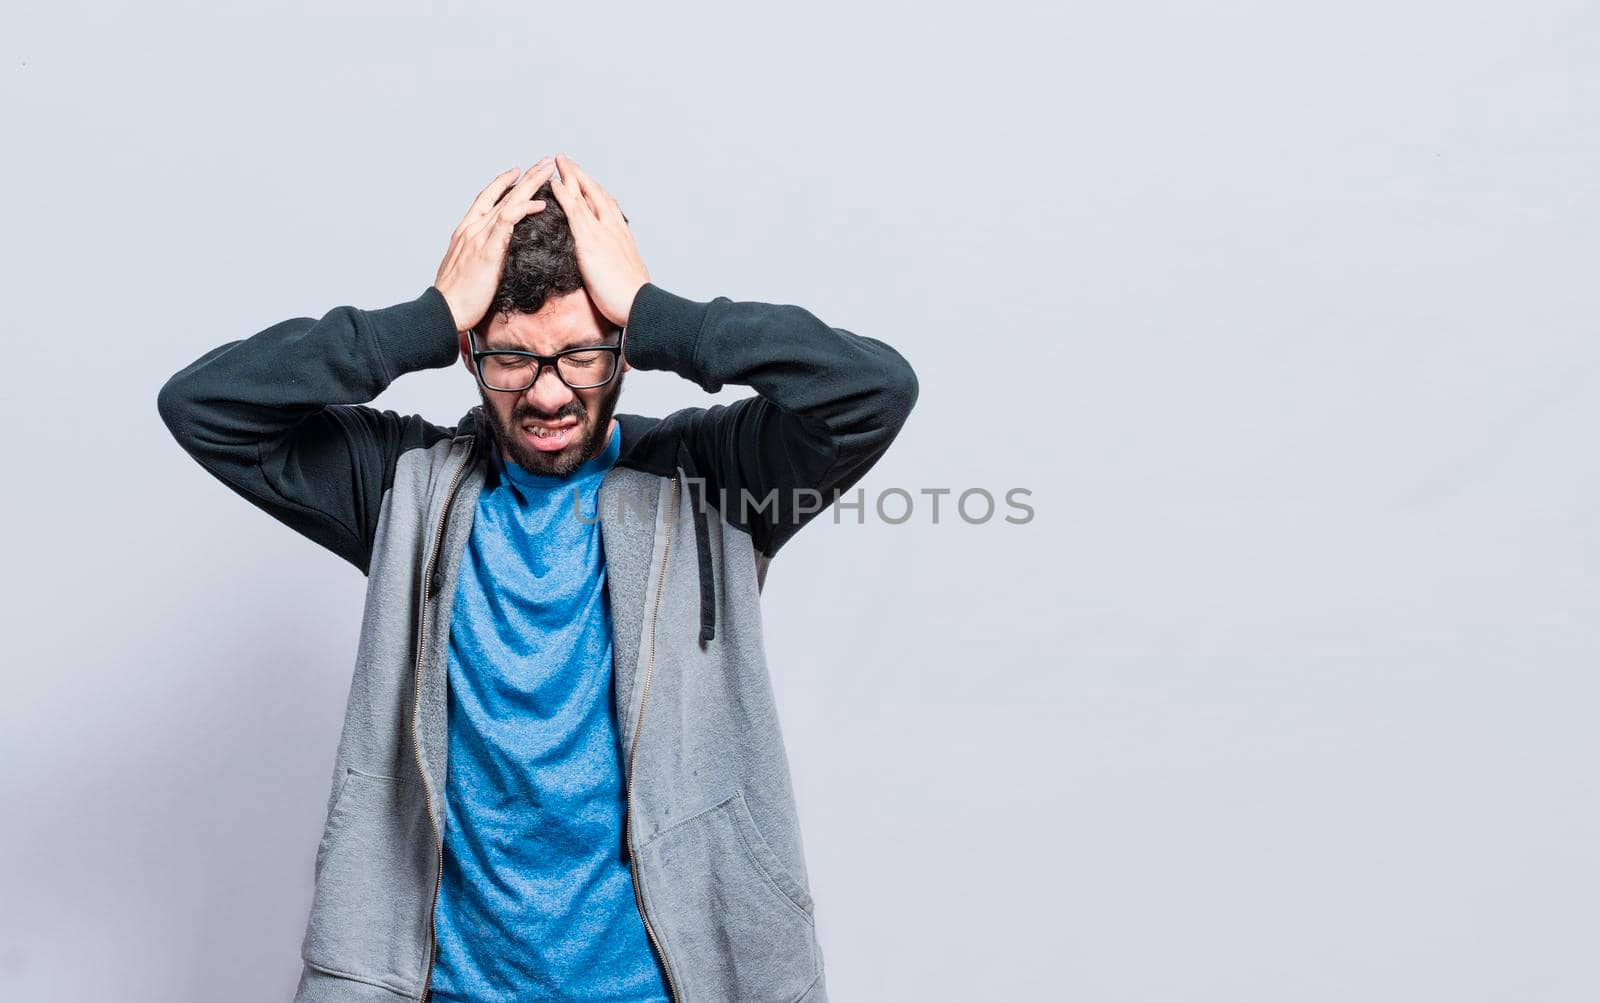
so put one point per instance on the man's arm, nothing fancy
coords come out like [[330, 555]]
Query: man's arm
[[277, 416], [829, 402]]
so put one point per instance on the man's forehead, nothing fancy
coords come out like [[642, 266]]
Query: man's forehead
[[563, 322]]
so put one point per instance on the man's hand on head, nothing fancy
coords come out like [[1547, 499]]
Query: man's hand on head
[[470, 272], [613, 272]]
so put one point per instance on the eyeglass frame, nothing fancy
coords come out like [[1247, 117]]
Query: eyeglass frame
[[541, 361]]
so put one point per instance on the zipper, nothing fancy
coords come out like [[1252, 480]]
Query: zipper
[[416, 702], [633, 745]]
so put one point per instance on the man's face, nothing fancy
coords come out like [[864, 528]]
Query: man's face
[[576, 423]]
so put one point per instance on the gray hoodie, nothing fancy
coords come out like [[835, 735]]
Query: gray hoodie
[[696, 506]]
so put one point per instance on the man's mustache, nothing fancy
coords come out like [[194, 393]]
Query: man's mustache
[[573, 409]]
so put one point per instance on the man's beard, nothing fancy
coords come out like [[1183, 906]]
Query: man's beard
[[576, 454]]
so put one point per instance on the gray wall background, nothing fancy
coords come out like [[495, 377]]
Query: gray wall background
[[1287, 692]]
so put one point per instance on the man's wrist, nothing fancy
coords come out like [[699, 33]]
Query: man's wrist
[[628, 317], [663, 331], [420, 334]]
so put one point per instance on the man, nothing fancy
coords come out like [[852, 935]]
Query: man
[[561, 774]]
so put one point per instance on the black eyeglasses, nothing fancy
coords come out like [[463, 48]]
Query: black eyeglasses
[[583, 368]]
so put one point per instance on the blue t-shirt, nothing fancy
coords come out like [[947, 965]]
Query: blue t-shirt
[[536, 900]]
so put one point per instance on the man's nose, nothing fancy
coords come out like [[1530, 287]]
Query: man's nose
[[548, 394]]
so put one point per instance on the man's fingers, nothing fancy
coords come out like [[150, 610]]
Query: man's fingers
[[571, 201], [582, 186], [530, 182], [507, 189], [489, 196], [604, 205], [510, 214], [505, 216], [513, 205]]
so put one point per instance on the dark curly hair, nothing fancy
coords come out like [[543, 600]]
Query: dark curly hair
[[541, 262]]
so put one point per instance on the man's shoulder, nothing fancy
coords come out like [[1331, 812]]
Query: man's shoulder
[[637, 426], [650, 442]]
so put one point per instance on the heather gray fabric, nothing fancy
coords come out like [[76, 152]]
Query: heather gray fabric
[[634, 496], [720, 860], [718, 839], [370, 911]]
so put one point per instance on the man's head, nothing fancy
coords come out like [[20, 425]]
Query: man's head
[[541, 306]]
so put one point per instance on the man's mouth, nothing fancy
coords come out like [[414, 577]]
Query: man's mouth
[[550, 436]]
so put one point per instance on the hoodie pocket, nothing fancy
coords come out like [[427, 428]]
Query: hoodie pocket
[[374, 876], [736, 924]]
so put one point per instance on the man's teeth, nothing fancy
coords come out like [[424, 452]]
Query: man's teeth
[[541, 432]]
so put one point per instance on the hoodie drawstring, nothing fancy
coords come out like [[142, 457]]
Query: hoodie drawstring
[[702, 540]]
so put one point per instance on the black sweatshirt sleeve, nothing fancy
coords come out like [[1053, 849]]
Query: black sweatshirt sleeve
[[277, 416], [828, 403]]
